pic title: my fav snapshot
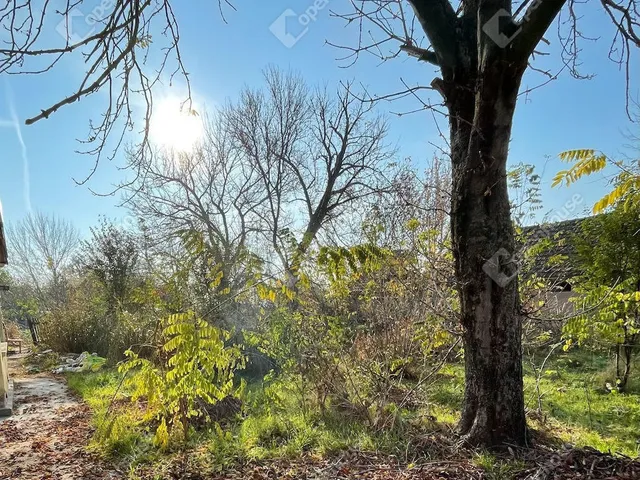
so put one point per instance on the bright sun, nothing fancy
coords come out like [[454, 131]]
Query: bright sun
[[174, 127]]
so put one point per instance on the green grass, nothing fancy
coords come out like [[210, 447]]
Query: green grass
[[581, 411], [120, 429], [578, 409], [278, 425], [498, 468], [275, 423]]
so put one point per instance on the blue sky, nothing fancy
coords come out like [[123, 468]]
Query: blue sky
[[221, 57]]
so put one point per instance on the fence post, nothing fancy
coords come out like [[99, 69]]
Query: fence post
[[33, 328]]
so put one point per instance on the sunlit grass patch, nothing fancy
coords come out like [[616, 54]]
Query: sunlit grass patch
[[120, 429], [497, 468], [277, 421], [577, 408], [281, 425]]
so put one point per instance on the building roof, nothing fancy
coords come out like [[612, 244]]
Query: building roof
[[556, 260]]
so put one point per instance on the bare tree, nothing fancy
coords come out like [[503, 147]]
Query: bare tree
[[207, 198], [41, 248], [314, 154], [270, 173]]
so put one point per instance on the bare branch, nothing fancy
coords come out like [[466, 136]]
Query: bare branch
[[534, 24]]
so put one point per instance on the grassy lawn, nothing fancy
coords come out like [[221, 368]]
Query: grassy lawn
[[575, 405], [576, 409], [121, 428], [581, 411], [277, 427]]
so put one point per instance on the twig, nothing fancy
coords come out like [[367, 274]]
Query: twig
[[435, 370]]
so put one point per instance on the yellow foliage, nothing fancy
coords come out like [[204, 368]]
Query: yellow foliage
[[589, 161], [161, 438]]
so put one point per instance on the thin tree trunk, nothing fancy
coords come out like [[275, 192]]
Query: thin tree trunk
[[627, 350], [292, 270], [493, 412]]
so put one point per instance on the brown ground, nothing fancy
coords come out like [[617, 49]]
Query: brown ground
[[348, 466], [47, 435], [571, 464]]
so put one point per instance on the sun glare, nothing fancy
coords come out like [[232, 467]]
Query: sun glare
[[174, 127]]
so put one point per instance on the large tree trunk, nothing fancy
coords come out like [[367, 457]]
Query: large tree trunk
[[481, 118], [482, 66]]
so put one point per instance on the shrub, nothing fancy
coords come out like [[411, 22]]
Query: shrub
[[86, 321], [79, 324], [193, 369], [351, 343]]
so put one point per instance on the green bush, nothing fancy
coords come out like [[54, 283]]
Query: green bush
[[79, 324], [86, 322], [194, 369]]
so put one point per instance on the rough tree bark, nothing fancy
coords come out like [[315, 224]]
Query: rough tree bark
[[480, 83], [481, 225]]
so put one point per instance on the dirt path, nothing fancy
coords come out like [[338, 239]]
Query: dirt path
[[47, 435]]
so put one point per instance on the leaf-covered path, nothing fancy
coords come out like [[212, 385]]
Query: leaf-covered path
[[47, 435]]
